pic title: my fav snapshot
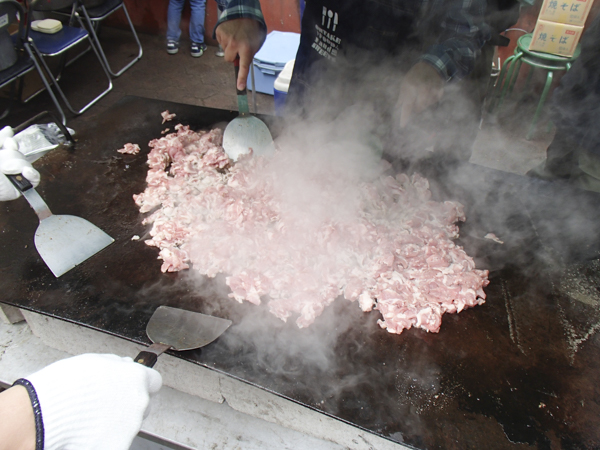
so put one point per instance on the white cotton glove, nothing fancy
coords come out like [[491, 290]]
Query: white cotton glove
[[13, 162], [6, 132], [93, 401]]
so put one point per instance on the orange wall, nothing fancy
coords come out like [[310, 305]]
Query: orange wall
[[151, 16]]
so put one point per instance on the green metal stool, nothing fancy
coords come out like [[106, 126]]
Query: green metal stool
[[512, 65]]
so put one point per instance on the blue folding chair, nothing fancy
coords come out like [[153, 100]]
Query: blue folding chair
[[58, 44], [93, 12], [94, 15], [17, 58]]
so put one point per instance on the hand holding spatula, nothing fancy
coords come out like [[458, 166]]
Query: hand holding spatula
[[246, 132], [12, 162]]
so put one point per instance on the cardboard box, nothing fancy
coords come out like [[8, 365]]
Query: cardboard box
[[571, 12], [555, 38]]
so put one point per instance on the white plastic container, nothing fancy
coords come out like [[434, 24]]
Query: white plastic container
[[281, 87], [278, 49]]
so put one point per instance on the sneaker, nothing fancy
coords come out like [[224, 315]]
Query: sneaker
[[220, 52], [197, 50], [172, 47]]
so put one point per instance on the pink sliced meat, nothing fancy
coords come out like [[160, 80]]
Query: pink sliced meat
[[167, 116], [382, 243], [130, 149]]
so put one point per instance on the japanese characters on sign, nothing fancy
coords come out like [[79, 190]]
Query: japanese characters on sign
[[571, 12], [556, 38]]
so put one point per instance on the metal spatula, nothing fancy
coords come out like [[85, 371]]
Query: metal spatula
[[246, 132], [178, 329], [62, 241]]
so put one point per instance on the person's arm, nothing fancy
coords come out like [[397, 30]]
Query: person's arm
[[461, 32], [17, 424], [89, 401], [241, 31]]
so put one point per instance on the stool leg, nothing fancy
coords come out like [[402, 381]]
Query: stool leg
[[540, 104], [511, 71], [515, 75], [528, 80], [498, 87]]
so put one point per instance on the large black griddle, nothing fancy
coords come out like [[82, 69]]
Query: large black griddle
[[516, 371]]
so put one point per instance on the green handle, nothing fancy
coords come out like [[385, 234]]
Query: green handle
[[242, 96]]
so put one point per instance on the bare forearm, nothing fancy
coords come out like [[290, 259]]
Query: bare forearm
[[17, 424]]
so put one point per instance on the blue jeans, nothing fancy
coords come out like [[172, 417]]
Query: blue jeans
[[196, 20]]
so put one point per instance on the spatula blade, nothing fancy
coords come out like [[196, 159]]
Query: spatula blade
[[184, 330], [244, 133], [65, 241]]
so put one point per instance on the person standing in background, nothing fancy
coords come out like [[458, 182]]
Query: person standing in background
[[198, 8], [403, 60]]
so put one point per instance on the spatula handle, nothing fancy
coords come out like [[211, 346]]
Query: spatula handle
[[236, 65], [20, 182], [35, 201], [149, 357], [242, 96]]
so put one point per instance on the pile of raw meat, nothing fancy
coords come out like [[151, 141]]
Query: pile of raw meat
[[384, 243]]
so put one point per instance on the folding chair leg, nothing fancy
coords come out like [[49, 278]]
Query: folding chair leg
[[92, 29], [51, 75], [62, 94], [47, 85], [79, 55], [38, 117]]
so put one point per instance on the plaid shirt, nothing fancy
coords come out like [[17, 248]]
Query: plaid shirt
[[458, 23], [242, 9], [462, 33]]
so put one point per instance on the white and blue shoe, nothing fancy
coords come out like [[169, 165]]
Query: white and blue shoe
[[197, 50], [172, 47]]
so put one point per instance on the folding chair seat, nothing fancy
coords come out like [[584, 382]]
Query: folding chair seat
[[94, 12], [17, 58], [58, 44]]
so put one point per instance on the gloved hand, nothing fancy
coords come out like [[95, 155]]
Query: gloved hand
[[92, 401], [13, 162]]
